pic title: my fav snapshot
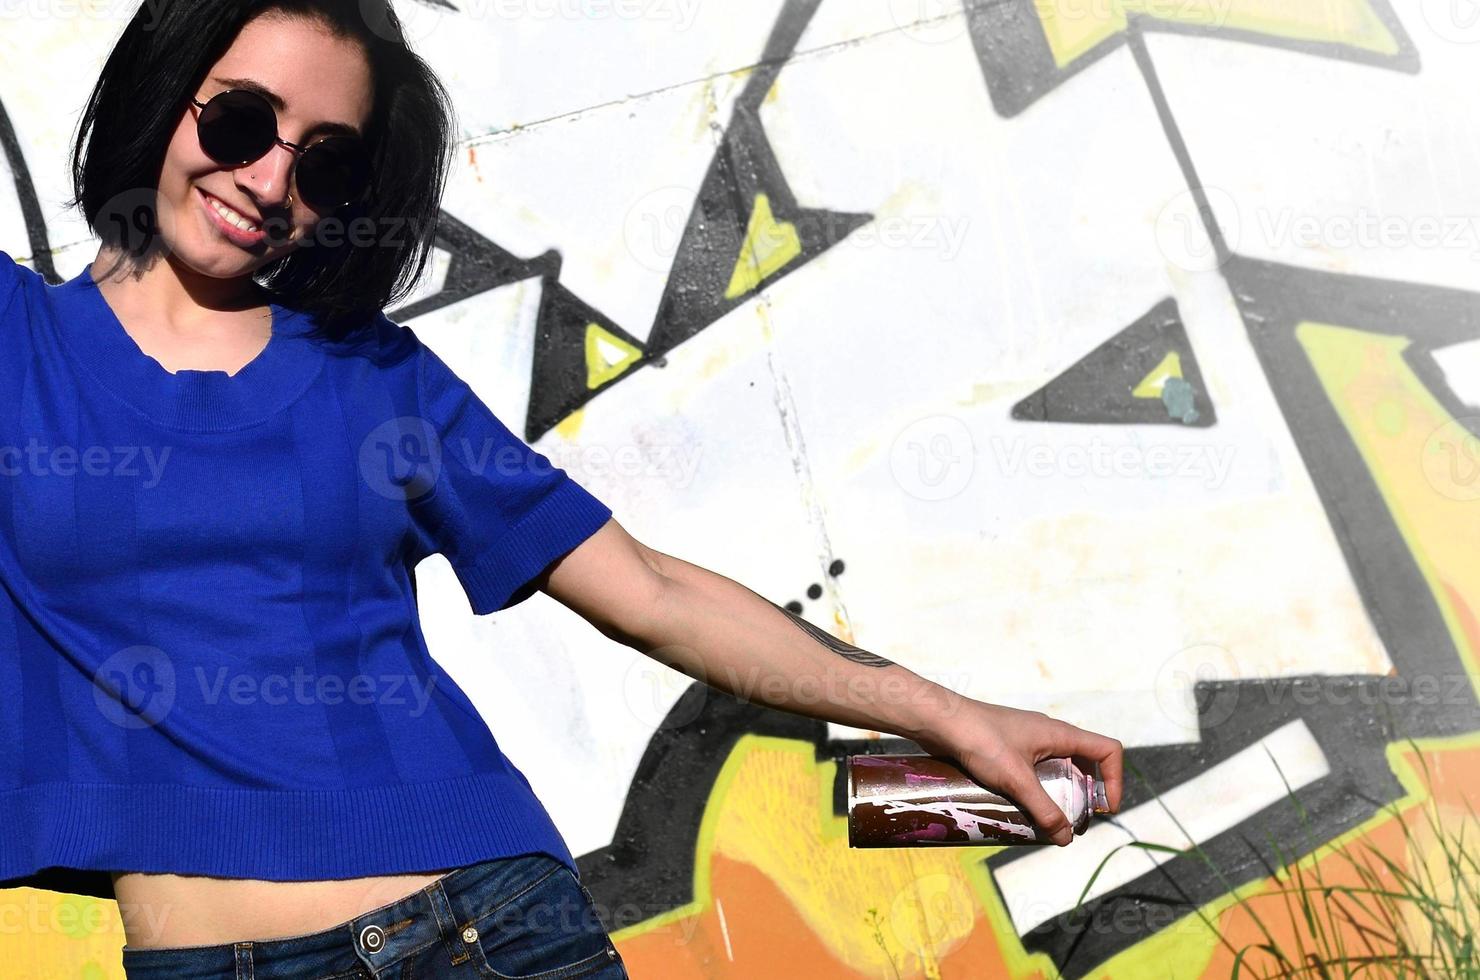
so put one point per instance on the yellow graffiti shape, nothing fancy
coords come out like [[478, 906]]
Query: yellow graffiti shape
[[61, 935], [607, 355], [1408, 441], [769, 247], [924, 896], [878, 912], [1151, 386], [1075, 27]]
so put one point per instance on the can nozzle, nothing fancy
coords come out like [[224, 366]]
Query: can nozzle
[[1098, 802]]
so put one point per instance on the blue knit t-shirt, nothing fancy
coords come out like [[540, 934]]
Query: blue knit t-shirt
[[211, 661]]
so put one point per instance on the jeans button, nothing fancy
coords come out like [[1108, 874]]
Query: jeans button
[[372, 937], [470, 935]]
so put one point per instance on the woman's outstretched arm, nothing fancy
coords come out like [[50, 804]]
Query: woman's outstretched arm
[[716, 630]]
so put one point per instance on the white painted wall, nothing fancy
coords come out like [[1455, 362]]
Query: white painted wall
[[1003, 250]]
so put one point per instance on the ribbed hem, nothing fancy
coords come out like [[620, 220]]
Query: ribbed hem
[[568, 515], [277, 835]]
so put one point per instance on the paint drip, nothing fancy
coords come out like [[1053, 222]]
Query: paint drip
[[921, 800]]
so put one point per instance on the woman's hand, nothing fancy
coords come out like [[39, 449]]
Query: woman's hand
[[998, 747]]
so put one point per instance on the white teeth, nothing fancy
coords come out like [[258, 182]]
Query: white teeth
[[231, 216]]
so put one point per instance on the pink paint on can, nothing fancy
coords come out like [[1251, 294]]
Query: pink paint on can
[[921, 800]]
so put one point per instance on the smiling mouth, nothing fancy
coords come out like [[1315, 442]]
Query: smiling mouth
[[234, 217], [232, 224]]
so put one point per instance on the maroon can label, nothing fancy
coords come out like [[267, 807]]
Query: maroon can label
[[911, 801]]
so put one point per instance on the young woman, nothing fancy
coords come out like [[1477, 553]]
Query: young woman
[[225, 713]]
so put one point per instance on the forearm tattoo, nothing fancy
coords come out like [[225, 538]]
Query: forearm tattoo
[[845, 650]]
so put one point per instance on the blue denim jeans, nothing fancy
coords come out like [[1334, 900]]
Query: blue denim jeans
[[525, 917]]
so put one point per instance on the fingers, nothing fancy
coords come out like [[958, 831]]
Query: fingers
[[1033, 800], [1108, 752], [1112, 771]]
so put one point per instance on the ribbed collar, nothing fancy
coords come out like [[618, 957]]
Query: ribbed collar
[[188, 400]]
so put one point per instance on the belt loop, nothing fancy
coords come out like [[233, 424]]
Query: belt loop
[[244, 961], [446, 923]]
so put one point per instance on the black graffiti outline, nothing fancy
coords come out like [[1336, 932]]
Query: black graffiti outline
[[1272, 299], [30, 204], [1019, 68], [558, 386]]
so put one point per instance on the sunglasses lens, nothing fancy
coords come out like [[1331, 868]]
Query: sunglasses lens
[[333, 172], [237, 127]]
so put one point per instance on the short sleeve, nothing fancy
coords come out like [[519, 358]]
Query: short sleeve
[[497, 509], [10, 286]]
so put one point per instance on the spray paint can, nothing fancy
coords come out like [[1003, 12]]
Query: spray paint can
[[921, 800]]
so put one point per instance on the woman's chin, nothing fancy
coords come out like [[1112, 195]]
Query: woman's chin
[[210, 253], [214, 260]]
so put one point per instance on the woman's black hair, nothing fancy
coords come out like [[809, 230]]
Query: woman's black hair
[[157, 66]]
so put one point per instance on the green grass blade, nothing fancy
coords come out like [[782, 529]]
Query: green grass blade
[[1203, 856]]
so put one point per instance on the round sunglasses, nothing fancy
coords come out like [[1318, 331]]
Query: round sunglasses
[[237, 127]]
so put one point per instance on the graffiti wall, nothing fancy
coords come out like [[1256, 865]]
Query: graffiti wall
[[1114, 358]]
